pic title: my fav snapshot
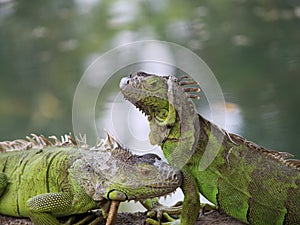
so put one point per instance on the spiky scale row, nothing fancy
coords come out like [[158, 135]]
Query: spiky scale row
[[37, 142]]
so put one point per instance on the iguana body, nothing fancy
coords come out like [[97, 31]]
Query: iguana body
[[52, 180], [248, 182]]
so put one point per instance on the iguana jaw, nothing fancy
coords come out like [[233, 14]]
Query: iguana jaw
[[120, 192], [151, 182]]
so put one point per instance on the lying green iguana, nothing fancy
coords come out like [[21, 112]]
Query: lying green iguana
[[44, 179], [246, 181]]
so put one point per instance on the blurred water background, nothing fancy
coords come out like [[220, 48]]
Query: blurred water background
[[253, 48]]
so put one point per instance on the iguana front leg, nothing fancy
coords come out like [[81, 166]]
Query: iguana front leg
[[43, 208], [191, 203]]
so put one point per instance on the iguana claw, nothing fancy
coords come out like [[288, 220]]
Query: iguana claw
[[205, 207], [90, 219], [168, 218], [159, 211]]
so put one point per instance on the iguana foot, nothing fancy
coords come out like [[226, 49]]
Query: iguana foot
[[96, 216], [88, 219], [168, 218], [205, 207], [158, 212]]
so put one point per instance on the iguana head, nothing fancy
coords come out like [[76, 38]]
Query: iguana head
[[110, 171], [149, 94], [167, 103]]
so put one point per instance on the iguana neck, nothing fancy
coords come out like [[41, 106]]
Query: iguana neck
[[178, 141]]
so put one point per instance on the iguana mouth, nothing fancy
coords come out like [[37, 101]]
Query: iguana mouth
[[141, 107], [174, 180]]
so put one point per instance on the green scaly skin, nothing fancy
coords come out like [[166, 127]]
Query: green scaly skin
[[45, 180], [246, 181]]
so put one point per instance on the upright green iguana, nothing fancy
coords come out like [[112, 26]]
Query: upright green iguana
[[246, 181], [44, 179]]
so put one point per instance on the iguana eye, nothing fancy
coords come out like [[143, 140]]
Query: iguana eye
[[152, 83]]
